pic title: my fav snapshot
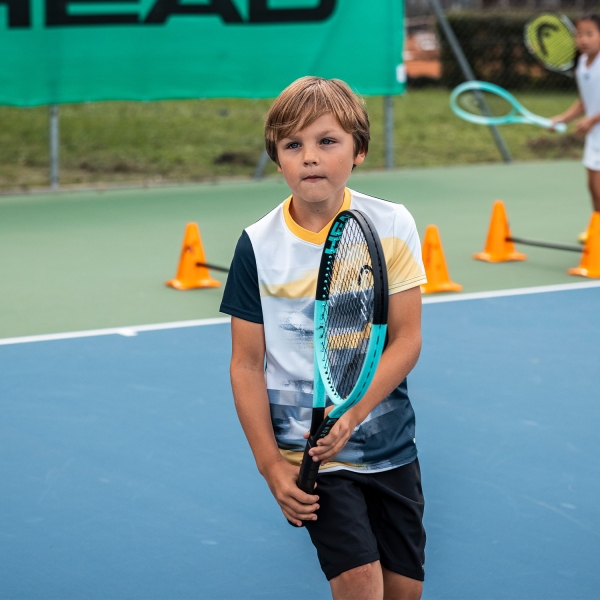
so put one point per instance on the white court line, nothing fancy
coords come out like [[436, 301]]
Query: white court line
[[124, 331], [542, 289], [135, 329]]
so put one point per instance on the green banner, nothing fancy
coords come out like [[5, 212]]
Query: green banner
[[57, 51]]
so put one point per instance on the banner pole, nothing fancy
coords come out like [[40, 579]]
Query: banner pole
[[260, 167], [468, 75], [54, 147], [388, 109]]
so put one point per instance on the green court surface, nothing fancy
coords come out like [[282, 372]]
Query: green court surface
[[86, 260]]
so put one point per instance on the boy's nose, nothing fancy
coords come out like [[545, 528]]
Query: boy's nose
[[310, 158]]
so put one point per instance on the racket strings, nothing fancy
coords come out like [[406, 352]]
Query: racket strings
[[550, 39], [484, 103], [350, 309]]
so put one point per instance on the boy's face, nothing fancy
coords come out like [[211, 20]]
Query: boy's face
[[587, 37], [317, 161]]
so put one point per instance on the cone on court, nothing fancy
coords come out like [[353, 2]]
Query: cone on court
[[438, 278], [189, 275], [497, 248], [590, 258]]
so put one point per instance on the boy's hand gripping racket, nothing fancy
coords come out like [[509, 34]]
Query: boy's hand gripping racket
[[488, 104], [351, 308]]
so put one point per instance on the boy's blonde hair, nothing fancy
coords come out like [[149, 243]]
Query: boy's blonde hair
[[307, 99]]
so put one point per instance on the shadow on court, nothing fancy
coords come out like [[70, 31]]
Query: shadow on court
[[126, 475]]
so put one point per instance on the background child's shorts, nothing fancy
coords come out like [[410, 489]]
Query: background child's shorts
[[591, 150], [368, 517]]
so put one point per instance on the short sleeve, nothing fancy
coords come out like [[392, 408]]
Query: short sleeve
[[241, 297], [405, 267]]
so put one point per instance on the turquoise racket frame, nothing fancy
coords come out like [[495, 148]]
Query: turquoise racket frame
[[324, 388], [323, 380], [525, 116]]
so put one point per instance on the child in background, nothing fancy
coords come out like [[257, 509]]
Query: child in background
[[365, 516], [587, 105]]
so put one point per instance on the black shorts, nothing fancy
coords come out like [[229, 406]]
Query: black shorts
[[368, 517]]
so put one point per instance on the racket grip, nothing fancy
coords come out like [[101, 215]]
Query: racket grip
[[308, 469], [560, 127]]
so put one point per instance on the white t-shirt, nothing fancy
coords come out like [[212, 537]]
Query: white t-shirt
[[272, 281], [588, 82]]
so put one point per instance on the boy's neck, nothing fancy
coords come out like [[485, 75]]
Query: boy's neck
[[590, 58], [314, 216]]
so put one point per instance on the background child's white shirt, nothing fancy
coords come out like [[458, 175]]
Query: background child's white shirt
[[588, 82]]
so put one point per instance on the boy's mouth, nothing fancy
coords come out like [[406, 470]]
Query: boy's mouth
[[313, 178]]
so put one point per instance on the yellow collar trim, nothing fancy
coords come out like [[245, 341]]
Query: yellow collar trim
[[310, 236]]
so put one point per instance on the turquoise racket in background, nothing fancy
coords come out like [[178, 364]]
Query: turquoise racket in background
[[488, 104]]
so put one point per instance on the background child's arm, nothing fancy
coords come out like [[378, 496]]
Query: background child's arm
[[398, 359], [252, 405], [574, 111]]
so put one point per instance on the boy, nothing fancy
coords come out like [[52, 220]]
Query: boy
[[365, 517]]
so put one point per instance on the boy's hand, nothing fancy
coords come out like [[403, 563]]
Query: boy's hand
[[332, 444], [296, 505]]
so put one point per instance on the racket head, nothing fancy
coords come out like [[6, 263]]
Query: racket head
[[351, 307], [485, 104], [550, 37]]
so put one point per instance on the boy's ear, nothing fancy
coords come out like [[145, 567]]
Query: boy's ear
[[359, 159], [279, 169]]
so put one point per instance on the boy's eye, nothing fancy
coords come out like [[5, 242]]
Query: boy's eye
[[293, 145], [327, 141]]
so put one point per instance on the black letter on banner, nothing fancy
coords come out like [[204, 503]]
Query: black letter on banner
[[164, 8], [57, 15], [18, 13], [261, 13]]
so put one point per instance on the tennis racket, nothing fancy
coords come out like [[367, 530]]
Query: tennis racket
[[488, 104], [351, 308], [551, 39]]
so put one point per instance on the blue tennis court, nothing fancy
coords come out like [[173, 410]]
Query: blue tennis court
[[126, 474]]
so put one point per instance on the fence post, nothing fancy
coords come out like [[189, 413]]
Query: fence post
[[388, 109], [260, 166], [54, 147], [468, 74]]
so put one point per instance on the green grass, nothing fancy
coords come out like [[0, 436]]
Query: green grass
[[132, 142]]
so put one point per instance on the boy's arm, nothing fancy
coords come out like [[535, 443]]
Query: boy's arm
[[397, 360], [252, 405]]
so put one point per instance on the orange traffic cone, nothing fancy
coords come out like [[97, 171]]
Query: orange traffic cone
[[438, 279], [189, 275], [590, 259], [497, 248]]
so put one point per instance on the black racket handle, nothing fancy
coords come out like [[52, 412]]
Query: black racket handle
[[309, 468]]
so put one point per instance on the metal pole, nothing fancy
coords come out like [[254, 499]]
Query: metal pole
[[468, 75], [260, 166], [54, 147], [388, 109]]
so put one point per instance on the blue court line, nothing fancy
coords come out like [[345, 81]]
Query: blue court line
[[125, 472]]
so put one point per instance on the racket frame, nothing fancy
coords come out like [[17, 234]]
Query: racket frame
[[323, 381], [525, 116]]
